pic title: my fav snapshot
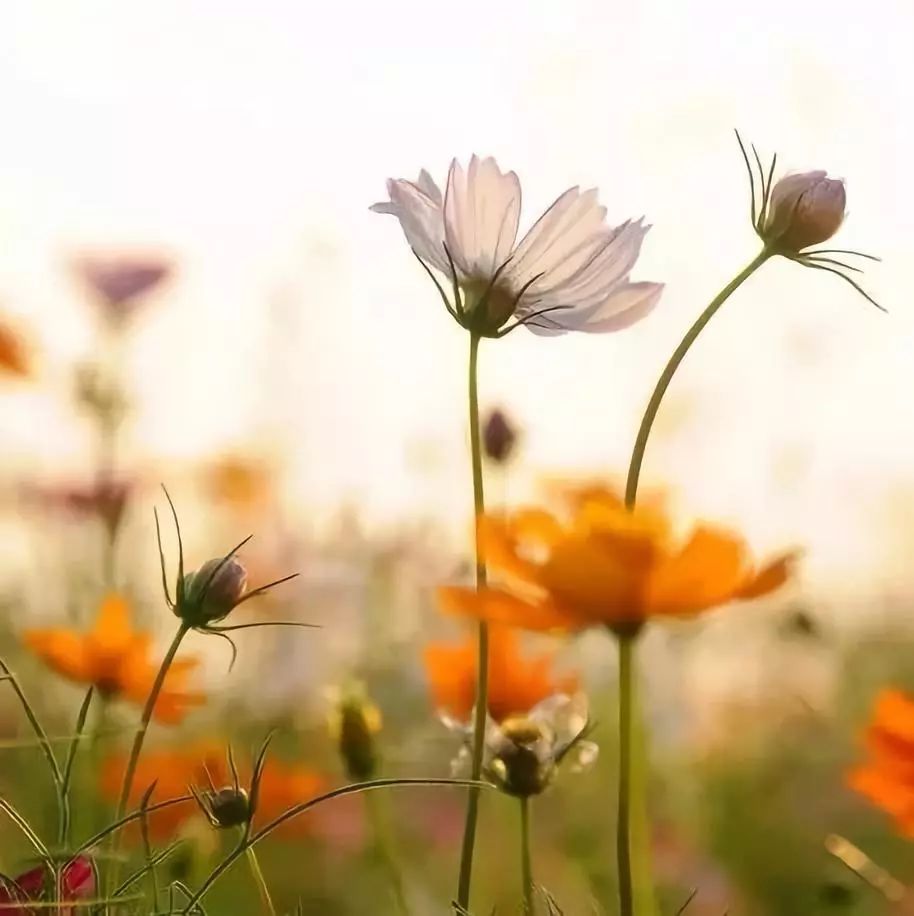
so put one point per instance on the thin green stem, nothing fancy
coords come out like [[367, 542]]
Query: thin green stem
[[63, 833], [650, 414], [37, 727], [140, 736], [296, 810], [526, 869], [482, 664], [624, 820], [384, 846], [260, 881]]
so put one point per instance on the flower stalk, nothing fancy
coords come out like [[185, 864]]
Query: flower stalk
[[526, 869], [482, 667], [262, 886]]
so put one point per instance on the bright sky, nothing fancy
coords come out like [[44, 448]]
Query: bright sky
[[250, 138]]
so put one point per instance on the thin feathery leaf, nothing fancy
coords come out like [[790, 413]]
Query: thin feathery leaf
[[688, 900], [742, 148], [149, 868], [66, 776], [218, 631], [455, 283], [168, 600], [438, 286], [846, 279], [233, 769], [807, 259], [263, 623], [256, 776], [179, 596], [269, 585], [37, 727], [27, 831], [858, 254]]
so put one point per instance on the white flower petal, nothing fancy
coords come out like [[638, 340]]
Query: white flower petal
[[420, 218], [481, 213], [622, 309], [561, 241]]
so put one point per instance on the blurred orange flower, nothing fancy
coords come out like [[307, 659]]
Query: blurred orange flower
[[116, 660], [282, 785], [241, 483], [607, 565], [516, 682], [887, 777], [14, 357]]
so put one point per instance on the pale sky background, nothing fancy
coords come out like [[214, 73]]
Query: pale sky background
[[250, 138]]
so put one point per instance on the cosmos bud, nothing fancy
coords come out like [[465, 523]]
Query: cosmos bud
[[804, 210], [354, 724], [228, 807], [212, 591], [498, 437]]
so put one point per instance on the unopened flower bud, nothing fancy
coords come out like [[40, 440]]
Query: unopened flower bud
[[212, 591], [229, 807], [804, 210], [355, 724], [498, 437]]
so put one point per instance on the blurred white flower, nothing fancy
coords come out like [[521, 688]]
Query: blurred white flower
[[569, 272], [523, 752]]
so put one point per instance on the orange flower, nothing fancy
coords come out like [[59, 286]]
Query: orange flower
[[14, 358], [116, 661], [607, 565], [516, 682], [174, 772], [240, 483], [887, 778]]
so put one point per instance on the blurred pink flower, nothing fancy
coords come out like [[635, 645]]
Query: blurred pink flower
[[119, 280], [77, 882], [104, 498]]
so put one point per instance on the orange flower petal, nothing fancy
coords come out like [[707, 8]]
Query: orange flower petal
[[592, 583], [112, 633], [708, 571], [451, 673], [64, 651], [500, 607], [500, 549], [769, 577]]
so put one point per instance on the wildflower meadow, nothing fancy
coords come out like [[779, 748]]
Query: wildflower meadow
[[528, 685]]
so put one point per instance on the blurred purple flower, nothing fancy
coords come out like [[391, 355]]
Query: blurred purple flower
[[105, 499], [119, 280]]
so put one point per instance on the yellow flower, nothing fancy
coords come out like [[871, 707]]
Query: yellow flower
[[607, 565], [116, 660]]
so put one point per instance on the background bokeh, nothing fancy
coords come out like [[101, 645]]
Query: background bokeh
[[243, 143]]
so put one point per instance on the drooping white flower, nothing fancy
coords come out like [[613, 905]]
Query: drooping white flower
[[569, 272]]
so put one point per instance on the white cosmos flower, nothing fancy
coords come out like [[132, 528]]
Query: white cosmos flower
[[569, 272]]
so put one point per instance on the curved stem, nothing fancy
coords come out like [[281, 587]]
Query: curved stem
[[260, 881], [140, 736], [482, 664], [63, 834], [296, 810], [526, 870], [624, 817], [647, 421]]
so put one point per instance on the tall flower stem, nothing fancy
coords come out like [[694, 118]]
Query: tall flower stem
[[624, 822], [650, 414], [140, 736], [526, 870], [262, 887], [482, 666], [633, 857]]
